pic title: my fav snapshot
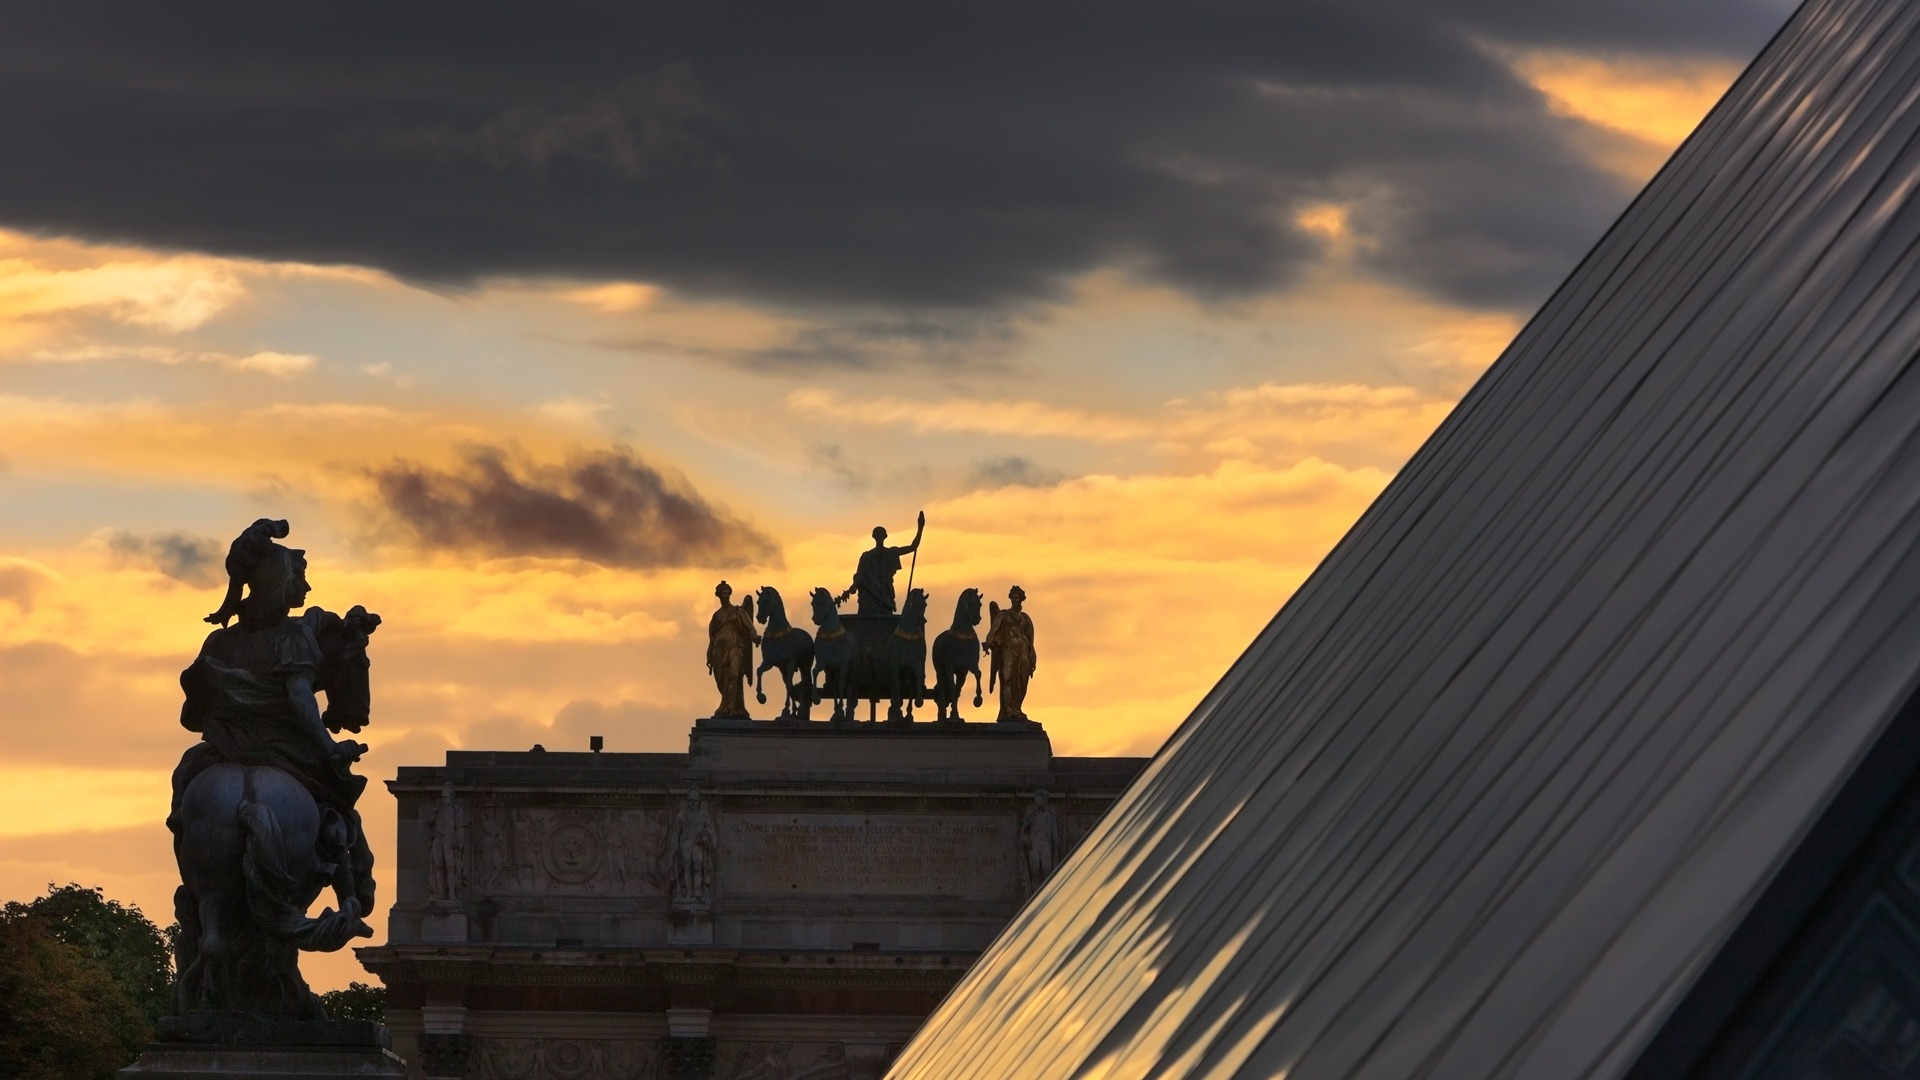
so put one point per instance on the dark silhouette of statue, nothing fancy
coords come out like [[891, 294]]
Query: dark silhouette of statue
[[873, 579], [730, 642], [1010, 640], [263, 814]]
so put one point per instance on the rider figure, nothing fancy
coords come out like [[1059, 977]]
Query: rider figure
[[250, 693], [873, 581]]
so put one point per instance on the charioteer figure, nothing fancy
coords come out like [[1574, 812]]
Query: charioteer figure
[[873, 580]]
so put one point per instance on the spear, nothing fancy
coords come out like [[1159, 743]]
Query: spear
[[915, 564]]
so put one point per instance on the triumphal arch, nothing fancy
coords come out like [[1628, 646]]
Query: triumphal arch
[[788, 899]]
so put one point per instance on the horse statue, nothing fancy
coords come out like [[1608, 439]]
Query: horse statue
[[836, 656], [263, 814], [788, 648], [905, 660], [956, 652]]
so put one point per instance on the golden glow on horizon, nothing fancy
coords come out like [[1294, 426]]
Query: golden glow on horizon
[[1149, 524], [38, 799], [617, 296]]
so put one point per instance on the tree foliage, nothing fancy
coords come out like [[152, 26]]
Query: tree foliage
[[118, 937], [358, 1001], [82, 981], [63, 1015]]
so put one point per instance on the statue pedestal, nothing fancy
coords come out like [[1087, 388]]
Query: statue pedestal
[[690, 928], [217, 1046], [443, 923]]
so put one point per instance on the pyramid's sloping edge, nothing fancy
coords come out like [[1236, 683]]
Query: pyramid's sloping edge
[[1492, 789]]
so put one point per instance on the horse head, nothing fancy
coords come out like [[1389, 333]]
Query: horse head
[[772, 610], [914, 611], [343, 672], [825, 611], [966, 612]]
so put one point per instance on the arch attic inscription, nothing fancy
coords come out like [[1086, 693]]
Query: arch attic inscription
[[872, 855]]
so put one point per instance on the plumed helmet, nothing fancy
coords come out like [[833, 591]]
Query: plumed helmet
[[244, 558]]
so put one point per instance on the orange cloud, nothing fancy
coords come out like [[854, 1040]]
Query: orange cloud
[[267, 362], [1270, 422], [1656, 103]]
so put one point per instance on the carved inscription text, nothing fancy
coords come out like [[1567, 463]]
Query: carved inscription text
[[848, 853]]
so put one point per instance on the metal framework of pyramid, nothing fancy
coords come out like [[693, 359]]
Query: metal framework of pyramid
[[1493, 792]]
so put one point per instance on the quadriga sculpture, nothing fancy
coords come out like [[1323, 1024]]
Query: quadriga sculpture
[[263, 814]]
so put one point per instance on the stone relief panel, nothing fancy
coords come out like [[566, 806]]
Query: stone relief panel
[[873, 854], [541, 850], [564, 1059], [446, 822], [781, 1061], [1075, 828]]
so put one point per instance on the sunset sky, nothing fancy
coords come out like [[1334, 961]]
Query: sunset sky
[[1141, 306]]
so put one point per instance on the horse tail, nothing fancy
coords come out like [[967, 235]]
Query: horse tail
[[263, 866]]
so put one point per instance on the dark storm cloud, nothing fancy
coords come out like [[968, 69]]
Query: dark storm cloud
[[916, 154], [1013, 471], [856, 342], [609, 507], [195, 560]]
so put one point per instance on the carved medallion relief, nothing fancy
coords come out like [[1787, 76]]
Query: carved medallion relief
[[870, 854], [536, 850], [572, 854]]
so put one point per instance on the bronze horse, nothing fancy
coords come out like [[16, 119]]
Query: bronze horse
[[836, 656], [905, 659], [788, 648], [255, 848], [956, 652]]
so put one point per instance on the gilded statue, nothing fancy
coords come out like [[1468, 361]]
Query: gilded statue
[[730, 642], [1010, 640]]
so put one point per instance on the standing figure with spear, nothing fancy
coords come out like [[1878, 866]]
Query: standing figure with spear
[[873, 579]]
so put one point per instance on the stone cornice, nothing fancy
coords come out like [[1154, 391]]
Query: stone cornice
[[658, 967]]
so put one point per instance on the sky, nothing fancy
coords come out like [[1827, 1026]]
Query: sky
[[536, 321]]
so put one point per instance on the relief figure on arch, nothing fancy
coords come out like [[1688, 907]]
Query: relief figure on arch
[[692, 846]]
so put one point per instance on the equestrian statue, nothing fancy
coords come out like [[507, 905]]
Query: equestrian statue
[[263, 816]]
